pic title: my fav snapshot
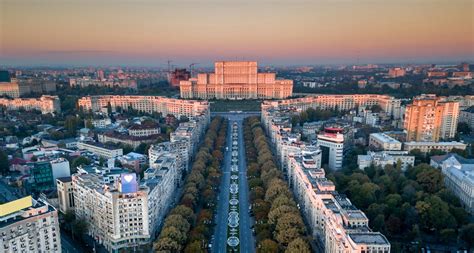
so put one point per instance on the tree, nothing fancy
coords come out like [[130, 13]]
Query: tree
[[467, 234], [430, 179], [267, 246], [194, 247], [298, 246], [177, 221], [80, 228], [81, 160], [4, 166], [173, 233], [167, 244]]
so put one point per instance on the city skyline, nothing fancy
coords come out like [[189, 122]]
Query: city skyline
[[147, 33]]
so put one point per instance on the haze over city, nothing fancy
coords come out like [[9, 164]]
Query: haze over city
[[277, 32]]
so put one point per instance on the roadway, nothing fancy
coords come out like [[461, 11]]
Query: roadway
[[247, 240], [219, 243]]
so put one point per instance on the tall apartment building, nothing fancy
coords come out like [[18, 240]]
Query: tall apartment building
[[467, 116], [331, 142], [149, 104], [389, 105], [45, 104], [430, 118], [117, 213], [65, 194], [236, 80], [29, 225]]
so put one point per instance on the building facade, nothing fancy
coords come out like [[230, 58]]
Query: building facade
[[149, 104], [383, 158], [383, 141], [29, 225], [100, 149], [430, 118], [45, 104], [334, 222], [427, 146], [389, 104], [331, 142], [65, 194], [236, 80]]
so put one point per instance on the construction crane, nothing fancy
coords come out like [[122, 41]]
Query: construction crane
[[191, 67]]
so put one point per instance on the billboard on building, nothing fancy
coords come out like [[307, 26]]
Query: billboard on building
[[128, 183]]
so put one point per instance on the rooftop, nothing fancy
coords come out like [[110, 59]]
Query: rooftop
[[369, 238]]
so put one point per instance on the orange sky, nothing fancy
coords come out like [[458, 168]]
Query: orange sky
[[293, 31]]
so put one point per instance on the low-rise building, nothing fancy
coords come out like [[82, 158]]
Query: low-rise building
[[100, 149], [383, 158], [383, 141], [427, 146], [130, 140], [145, 129], [29, 225]]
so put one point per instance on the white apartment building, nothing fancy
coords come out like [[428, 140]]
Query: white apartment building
[[331, 142], [427, 146], [60, 168], [100, 149], [46, 104], [333, 220], [161, 182], [117, 214], [149, 104], [382, 141], [458, 177], [29, 225], [65, 194], [389, 105], [383, 158]]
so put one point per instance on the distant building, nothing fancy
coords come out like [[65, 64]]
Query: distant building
[[386, 158], [29, 225], [177, 76], [149, 104], [429, 118], [101, 123], [236, 80], [331, 142], [45, 104], [12, 88], [427, 146], [396, 72], [382, 141]]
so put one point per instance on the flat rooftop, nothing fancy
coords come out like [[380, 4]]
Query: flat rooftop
[[369, 238]]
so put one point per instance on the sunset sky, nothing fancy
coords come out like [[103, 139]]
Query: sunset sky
[[148, 32]]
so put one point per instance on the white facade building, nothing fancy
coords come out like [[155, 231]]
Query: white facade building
[[383, 158], [332, 145], [28, 225], [427, 146], [384, 142]]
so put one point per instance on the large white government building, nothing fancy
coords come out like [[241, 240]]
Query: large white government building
[[236, 80]]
